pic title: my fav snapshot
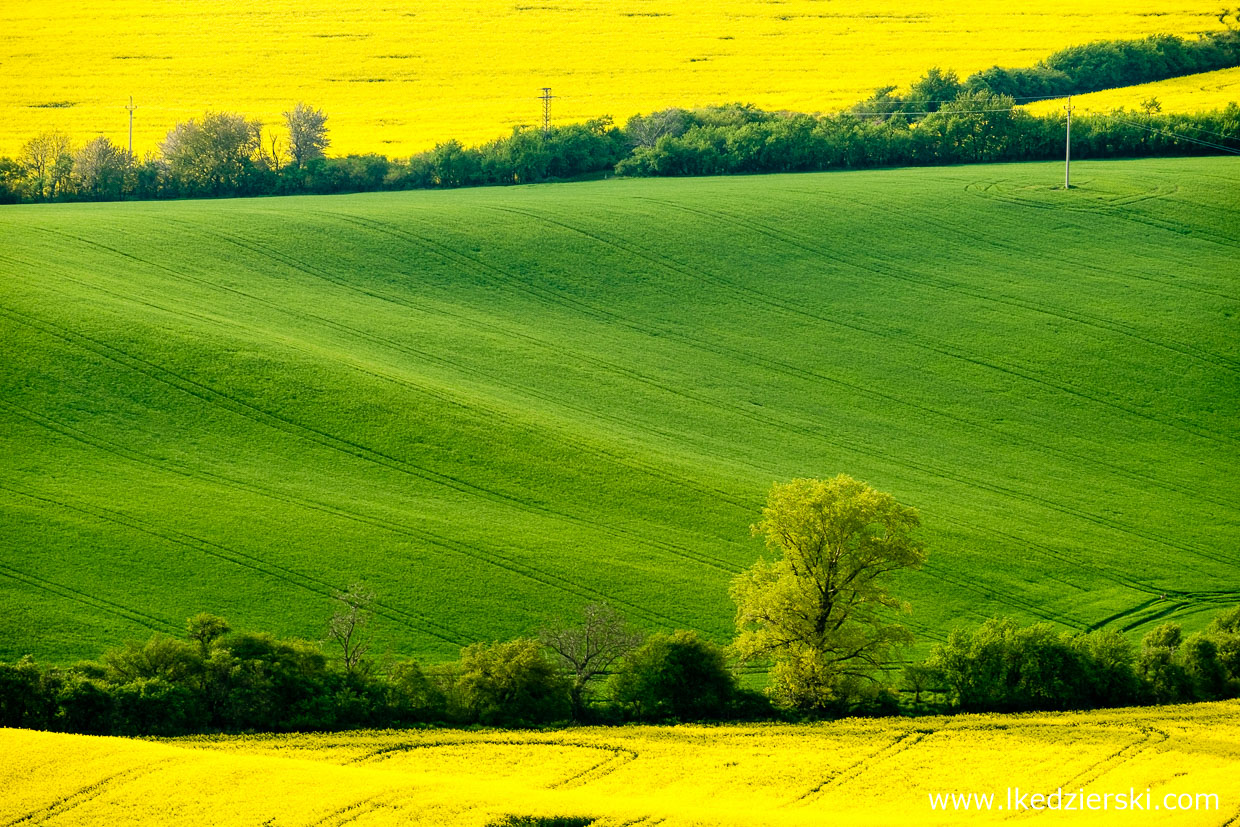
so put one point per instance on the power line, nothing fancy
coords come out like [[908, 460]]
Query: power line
[[1219, 147], [1216, 134]]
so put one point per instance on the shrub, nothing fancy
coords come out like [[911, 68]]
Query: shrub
[[677, 676], [512, 684]]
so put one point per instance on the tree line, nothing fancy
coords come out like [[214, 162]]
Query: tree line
[[818, 616], [939, 119], [1108, 64]]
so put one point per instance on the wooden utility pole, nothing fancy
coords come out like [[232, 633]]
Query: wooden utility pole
[[1067, 149], [131, 108]]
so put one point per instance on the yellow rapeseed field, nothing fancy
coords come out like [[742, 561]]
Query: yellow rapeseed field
[[1209, 90], [396, 77], [842, 773]]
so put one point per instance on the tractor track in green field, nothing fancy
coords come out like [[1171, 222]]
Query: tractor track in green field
[[942, 349], [1091, 320], [1112, 210], [360, 451], [135, 616], [276, 571], [316, 584], [529, 399], [1038, 612], [490, 379], [748, 294], [1041, 447], [292, 576], [512, 280], [586, 447], [792, 370], [893, 268]]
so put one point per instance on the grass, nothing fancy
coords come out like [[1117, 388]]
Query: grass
[[496, 405], [846, 772], [397, 79]]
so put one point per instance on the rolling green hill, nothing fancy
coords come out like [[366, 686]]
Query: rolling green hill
[[496, 405]]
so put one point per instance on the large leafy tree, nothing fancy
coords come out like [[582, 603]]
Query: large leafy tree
[[821, 611]]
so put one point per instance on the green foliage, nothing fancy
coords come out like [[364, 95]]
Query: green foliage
[[1003, 666], [217, 155], [413, 696], [678, 676], [23, 701], [511, 683], [1108, 667], [1106, 64], [256, 682], [99, 170], [204, 629], [821, 609], [307, 133]]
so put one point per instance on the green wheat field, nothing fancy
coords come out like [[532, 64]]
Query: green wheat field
[[496, 405]]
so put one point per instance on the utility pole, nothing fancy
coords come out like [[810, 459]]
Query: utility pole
[[131, 108], [1067, 149], [546, 97]]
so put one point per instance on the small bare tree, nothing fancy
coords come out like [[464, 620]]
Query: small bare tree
[[307, 133], [587, 651], [348, 624]]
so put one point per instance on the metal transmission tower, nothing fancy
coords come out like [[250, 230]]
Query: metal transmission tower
[[131, 108], [1067, 149], [546, 97]]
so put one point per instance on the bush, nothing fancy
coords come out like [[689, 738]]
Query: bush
[[677, 676], [412, 696], [156, 707], [23, 699], [84, 705], [511, 684]]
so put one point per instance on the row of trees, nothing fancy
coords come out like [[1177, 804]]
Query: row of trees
[[819, 615], [1108, 64], [224, 154], [219, 680], [939, 119], [220, 154], [1003, 666]]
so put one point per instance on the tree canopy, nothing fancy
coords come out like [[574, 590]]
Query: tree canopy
[[821, 609]]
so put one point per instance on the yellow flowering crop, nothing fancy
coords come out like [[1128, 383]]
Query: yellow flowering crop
[[841, 773], [1209, 90], [396, 77]]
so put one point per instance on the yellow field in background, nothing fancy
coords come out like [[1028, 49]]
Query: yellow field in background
[[396, 77], [842, 773], [1209, 90]]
